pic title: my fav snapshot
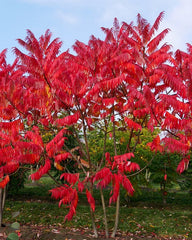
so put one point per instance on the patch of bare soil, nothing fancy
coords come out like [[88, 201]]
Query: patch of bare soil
[[34, 232]]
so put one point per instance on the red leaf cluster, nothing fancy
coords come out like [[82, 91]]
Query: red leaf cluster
[[34, 136], [116, 188], [132, 125], [56, 143], [9, 168], [62, 157], [155, 144], [41, 171], [68, 120], [105, 177], [80, 186], [123, 158], [174, 145], [4, 182], [131, 167], [183, 165], [71, 178], [68, 195], [127, 185], [90, 200], [140, 113]]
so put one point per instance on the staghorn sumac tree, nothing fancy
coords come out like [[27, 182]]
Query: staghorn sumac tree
[[127, 82]]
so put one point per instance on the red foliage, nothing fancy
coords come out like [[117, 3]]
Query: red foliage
[[104, 179], [122, 163], [127, 185], [56, 142], [108, 101], [73, 206], [68, 120], [155, 145], [4, 182], [140, 113], [183, 165], [62, 157], [131, 167], [55, 147], [34, 136], [67, 195], [42, 171], [174, 145], [9, 168], [132, 124], [71, 178], [101, 174], [116, 188], [80, 186], [123, 158], [127, 78], [108, 158], [90, 200], [60, 192]]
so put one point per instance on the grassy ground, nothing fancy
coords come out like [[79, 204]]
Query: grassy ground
[[143, 214]]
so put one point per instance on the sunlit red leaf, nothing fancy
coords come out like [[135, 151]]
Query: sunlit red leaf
[[4, 182], [73, 205], [101, 174], [105, 177], [71, 178], [132, 124], [155, 144], [80, 186], [62, 157], [183, 165], [127, 185], [131, 166], [116, 188], [68, 120], [9, 168], [56, 139], [42, 171], [91, 200]]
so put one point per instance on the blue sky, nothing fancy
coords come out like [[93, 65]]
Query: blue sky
[[72, 20]]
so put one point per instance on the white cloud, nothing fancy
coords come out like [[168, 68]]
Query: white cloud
[[120, 9], [178, 14], [67, 17]]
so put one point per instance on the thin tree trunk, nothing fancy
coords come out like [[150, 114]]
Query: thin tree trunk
[[91, 170], [4, 197], [118, 198], [1, 207], [2, 204], [104, 149], [116, 217], [93, 223], [93, 215], [104, 213]]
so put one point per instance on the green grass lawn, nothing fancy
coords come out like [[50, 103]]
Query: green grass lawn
[[143, 213]]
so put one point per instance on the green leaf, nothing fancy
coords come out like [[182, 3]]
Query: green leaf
[[15, 226], [12, 236]]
